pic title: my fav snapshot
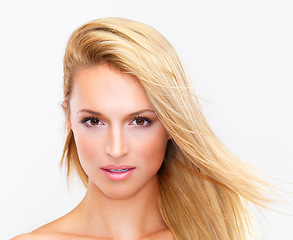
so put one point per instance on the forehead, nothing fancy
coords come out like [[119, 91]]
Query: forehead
[[105, 88]]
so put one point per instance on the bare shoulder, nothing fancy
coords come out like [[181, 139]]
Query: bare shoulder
[[40, 235], [37, 236], [50, 231], [23, 237], [34, 236], [53, 231]]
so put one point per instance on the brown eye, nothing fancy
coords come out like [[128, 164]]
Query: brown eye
[[94, 122], [140, 122]]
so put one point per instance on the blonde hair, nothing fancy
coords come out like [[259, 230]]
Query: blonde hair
[[204, 188]]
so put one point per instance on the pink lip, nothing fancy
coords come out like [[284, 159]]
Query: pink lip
[[118, 176]]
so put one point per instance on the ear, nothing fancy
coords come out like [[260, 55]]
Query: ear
[[66, 110]]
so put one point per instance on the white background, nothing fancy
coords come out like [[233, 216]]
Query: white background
[[240, 57]]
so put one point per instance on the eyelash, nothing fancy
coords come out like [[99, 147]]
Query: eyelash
[[145, 119], [149, 121], [83, 121]]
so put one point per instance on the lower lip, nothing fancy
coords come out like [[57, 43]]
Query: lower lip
[[118, 176]]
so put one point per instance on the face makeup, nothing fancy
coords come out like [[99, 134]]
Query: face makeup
[[120, 141], [118, 172]]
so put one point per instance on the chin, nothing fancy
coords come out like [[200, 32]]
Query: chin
[[113, 191], [120, 193]]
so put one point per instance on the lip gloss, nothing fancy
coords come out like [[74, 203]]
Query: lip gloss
[[118, 173]]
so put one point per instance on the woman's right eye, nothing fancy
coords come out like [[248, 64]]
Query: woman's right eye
[[91, 122]]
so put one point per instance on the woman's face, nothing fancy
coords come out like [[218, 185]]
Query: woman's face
[[120, 141]]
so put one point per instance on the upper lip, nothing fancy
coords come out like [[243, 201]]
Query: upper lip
[[117, 167]]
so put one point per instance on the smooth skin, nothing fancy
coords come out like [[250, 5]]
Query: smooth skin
[[113, 124]]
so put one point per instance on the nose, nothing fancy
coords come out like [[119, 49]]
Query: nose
[[116, 145]]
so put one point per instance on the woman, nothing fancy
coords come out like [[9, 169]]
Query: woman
[[138, 140]]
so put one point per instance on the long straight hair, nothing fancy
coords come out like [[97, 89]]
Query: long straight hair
[[204, 188]]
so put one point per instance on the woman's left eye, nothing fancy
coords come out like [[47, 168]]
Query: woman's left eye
[[141, 121]]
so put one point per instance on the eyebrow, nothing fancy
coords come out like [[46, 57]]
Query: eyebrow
[[131, 114]]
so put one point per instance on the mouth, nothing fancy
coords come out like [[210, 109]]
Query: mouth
[[118, 173], [118, 170]]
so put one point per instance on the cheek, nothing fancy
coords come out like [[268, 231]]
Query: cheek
[[152, 148], [87, 147]]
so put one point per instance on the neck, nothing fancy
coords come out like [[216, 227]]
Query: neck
[[127, 218]]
